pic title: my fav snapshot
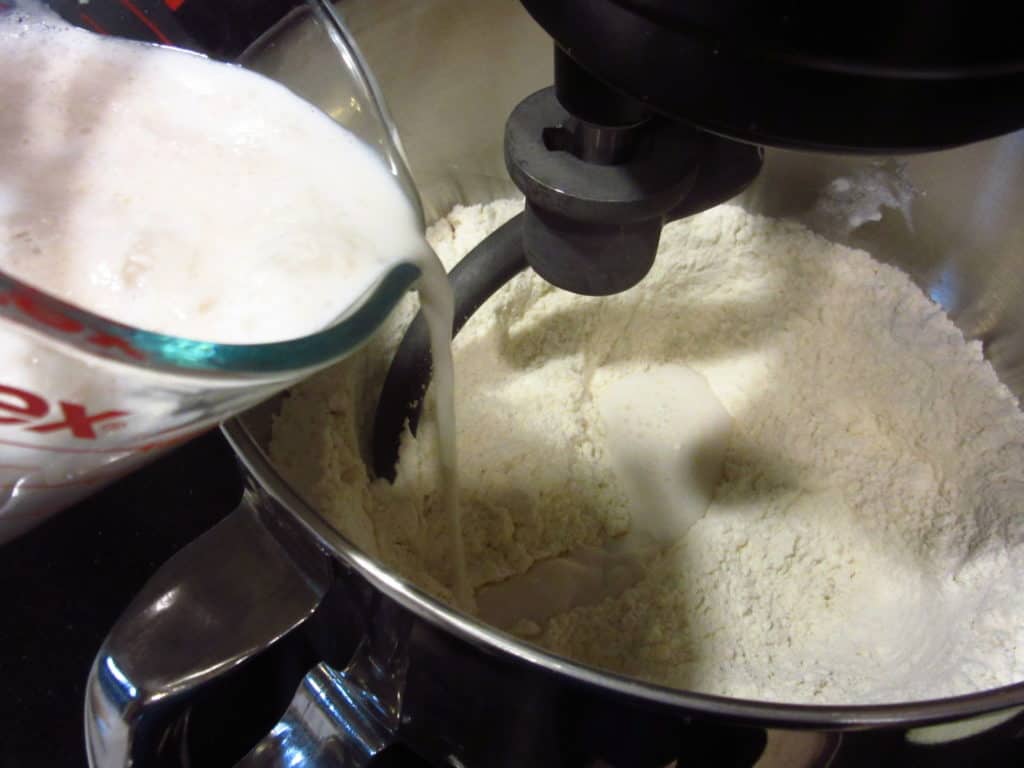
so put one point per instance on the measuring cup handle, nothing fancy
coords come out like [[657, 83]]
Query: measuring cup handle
[[238, 592]]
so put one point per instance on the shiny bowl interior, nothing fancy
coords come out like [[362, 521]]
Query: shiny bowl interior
[[452, 70]]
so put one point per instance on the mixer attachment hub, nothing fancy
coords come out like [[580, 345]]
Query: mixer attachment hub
[[597, 196]]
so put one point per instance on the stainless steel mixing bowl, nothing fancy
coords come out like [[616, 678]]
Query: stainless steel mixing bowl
[[274, 592]]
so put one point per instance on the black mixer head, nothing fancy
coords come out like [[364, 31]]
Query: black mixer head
[[653, 98], [878, 76]]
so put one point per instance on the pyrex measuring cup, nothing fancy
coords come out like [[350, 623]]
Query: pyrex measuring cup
[[84, 400]]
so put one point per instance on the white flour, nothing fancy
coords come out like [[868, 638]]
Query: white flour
[[863, 542]]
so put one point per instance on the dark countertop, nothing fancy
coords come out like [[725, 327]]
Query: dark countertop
[[64, 584]]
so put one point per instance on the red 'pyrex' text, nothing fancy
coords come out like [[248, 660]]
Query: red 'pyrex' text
[[34, 414]]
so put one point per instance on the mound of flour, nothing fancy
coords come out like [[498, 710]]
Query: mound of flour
[[863, 534]]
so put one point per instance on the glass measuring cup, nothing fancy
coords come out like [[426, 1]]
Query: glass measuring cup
[[83, 399]]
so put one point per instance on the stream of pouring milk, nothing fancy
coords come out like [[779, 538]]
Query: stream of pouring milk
[[438, 306], [197, 199]]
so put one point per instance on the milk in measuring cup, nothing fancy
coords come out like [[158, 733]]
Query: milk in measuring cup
[[176, 195]]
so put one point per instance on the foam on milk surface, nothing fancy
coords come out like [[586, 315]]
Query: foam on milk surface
[[185, 196]]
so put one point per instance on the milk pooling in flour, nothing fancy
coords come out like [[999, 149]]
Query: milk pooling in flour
[[182, 196]]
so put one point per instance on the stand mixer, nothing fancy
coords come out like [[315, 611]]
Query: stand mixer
[[658, 111]]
